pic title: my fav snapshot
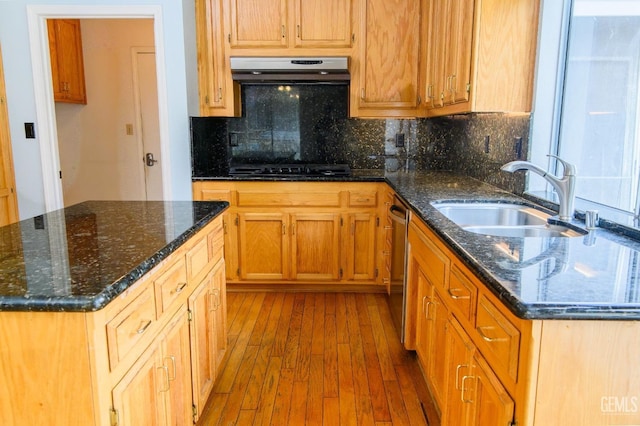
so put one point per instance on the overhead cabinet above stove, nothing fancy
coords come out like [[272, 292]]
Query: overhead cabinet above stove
[[407, 58]]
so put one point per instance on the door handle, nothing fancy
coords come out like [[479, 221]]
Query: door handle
[[149, 160]]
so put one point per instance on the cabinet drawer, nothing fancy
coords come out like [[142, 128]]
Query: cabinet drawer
[[462, 293], [286, 199], [129, 326], [499, 338], [197, 258], [170, 284], [363, 198]]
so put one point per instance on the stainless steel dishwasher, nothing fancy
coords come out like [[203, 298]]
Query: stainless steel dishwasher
[[399, 214]]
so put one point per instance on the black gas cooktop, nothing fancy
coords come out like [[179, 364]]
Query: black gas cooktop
[[294, 170]]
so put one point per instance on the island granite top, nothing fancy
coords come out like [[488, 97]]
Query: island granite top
[[82, 257]]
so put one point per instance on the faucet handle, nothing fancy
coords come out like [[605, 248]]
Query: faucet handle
[[569, 169]]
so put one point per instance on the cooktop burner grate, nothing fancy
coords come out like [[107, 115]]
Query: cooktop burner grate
[[311, 170]]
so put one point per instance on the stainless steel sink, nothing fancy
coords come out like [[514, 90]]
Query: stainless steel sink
[[504, 220]]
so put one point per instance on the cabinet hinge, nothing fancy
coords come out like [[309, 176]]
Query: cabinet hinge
[[194, 411], [229, 38], [113, 416], [341, 222], [189, 315], [468, 87], [238, 272], [377, 272], [340, 273], [377, 221], [60, 173], [236, 221], [206, 99]]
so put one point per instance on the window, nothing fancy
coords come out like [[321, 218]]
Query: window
[[593, 48]]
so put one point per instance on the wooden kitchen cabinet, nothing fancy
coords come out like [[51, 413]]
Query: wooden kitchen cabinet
[[67, 64], [302, 232], [478, 56], [288, 24], [218, 94], [263, 245], [153, 390], [385, 66], [208, 333]]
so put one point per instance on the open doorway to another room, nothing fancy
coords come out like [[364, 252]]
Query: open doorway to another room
[[103, 144]]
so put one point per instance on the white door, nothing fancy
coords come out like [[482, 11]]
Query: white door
[[148, 124]]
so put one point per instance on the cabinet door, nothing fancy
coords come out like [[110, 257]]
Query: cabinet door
[[458, 367], [387, 82], [458, 60], [8, 198], [67, 66], [323, 23], [217, 92], [256, 23], [436, 374], [435, 50], [220, 311], [491, 404], [176, 363], [139, 397], [263, 246], [315, 246], [360, 248], [203, 341]]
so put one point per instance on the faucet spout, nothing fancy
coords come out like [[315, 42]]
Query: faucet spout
[[565, 186]]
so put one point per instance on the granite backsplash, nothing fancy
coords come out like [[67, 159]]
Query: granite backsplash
[[473, 144]]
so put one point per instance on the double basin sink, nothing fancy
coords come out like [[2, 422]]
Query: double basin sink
[[505, 220]]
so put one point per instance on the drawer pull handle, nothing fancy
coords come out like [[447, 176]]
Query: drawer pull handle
[[180, 287], [458, 372], [144, 327], [173, 367], [481, 331], [166, 375], [455, 296], [426, 311], [466, 401], [215, 299]]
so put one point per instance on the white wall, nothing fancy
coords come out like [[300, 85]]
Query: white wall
[[14, 37], [99, 161]]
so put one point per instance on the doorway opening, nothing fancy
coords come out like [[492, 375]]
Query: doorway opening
[[58, 169]]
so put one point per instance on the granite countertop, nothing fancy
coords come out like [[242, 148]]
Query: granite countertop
[[596, 276], [82, 257]]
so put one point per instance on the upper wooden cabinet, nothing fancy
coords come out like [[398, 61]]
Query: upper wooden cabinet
[[478, 56], [288, 23], [8, 198], [218, 94], [67, 65], [385, 65]]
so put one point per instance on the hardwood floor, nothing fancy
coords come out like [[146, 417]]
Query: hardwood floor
[[315, 359]]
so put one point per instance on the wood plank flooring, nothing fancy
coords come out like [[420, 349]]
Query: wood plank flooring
[[315, 359]]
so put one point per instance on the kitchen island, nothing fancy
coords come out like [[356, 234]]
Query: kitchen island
[[103, 304]]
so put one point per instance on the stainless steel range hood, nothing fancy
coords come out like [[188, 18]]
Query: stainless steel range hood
[[288, 69]]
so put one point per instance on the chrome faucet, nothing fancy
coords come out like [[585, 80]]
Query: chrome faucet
[[565, 186]]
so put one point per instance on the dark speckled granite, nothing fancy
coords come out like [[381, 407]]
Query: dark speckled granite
[[591, 277], [82, 257]]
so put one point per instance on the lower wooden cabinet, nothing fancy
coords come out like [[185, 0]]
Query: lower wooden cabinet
[[463, 384], [306, 232], [153, 391], [150, 357], [208, 341], [485, 366]]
